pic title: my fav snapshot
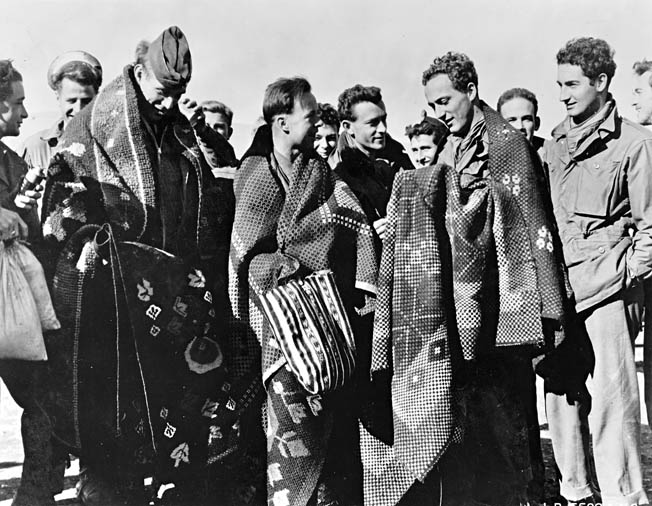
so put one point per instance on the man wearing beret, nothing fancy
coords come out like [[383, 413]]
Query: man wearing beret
[[75, 77], [130, 160]]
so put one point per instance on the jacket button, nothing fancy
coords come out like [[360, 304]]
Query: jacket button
[[601, 249]]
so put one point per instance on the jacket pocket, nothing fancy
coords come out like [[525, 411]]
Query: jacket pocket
[[596, 186]]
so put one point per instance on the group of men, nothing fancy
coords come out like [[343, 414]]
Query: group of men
[[500, 256]]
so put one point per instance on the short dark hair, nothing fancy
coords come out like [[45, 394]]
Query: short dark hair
[[457, 66], [280, 96], [518, 93], [641, 67], [79, 72], [328, 115], [428, 126], [217, 107], [593, 55], [8, 75], [354, 95]]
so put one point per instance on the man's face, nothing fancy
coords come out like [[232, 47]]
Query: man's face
[[73, 97], [325, 139], [12, 111], [218, 122], [453, 107], [519, 112], [643, 98], [369, 128], [579, 95], [300, 123], [162, 100], [424, 149]]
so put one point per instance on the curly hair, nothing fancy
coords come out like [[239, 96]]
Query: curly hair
[[280, 96], [328, 115], [593, 55], [518, 93], [641, 67], [8, 75], [428, 126], [457, 66], [351, 96]]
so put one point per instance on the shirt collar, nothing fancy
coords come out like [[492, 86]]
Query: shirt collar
[[54, 132]]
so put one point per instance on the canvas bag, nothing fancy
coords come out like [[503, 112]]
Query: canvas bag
[[21, 336], [33, 272], [312, 329]]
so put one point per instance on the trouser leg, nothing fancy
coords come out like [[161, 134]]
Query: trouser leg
[[647, 351], [614, 417], [614, 420], [22, 379]]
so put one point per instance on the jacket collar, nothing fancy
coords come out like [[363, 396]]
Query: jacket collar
[[607, 127]]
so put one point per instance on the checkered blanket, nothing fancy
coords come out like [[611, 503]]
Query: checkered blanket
[[317, 225], [463, 270]]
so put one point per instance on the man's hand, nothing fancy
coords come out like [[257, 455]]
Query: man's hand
[[191, 110], [11, 226], [28, 199], [380, 226]]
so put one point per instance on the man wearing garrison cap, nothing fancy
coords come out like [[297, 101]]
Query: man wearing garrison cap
[[131, 160], [75, 77]]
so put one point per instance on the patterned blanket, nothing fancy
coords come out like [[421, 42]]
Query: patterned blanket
[[318, 224], [107, 172], [463, 270]]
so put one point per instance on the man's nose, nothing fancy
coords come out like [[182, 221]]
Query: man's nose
[[168, 103], [563, 94], [382, 126]]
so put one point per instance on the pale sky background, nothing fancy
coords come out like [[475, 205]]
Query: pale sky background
[[239, 47]]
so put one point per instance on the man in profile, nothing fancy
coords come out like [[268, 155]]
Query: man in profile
[[293, 217], [598, 164], [369, 157]]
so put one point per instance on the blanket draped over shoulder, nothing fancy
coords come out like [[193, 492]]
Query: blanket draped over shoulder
[[317, 225], [462, 270], [106, 173]]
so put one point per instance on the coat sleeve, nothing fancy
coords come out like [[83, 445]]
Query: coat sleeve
[[639, 184], [216, 149]]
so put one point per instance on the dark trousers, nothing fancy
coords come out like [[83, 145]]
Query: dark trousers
[[647, 351], [24, 380]]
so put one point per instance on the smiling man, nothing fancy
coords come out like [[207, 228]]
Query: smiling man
[[426, 140], [370, 158], [598, 165], [487, 154], [75, 77]]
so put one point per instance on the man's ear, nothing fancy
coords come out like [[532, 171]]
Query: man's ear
[[139, 70], [281, 122], [601, 83], [472, 91], [537, 123], [347, 127]]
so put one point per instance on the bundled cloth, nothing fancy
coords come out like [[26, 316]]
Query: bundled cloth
[[150, 391], [464, 269], [26, 305], [317, 224]]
